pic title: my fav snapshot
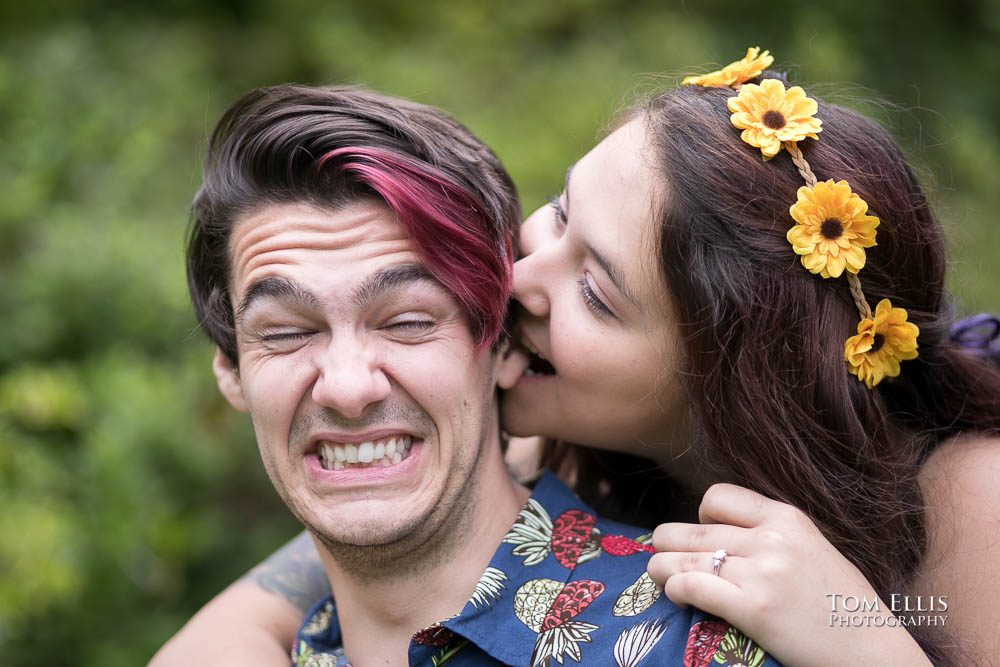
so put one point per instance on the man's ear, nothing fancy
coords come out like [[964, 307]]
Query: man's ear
[[228, 379], [513, 364]]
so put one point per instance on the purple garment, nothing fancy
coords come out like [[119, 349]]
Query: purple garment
[[979, 335]]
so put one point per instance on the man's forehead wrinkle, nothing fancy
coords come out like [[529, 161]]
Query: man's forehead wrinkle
[[305, 218], [312, 218], [277, 235], [286, 248], [273, 238], [288, 256]]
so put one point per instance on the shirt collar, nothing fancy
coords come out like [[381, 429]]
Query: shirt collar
[[528, 553]]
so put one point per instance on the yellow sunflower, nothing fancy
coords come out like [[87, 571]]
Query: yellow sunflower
[[741, 71], [832, 228], [882, 342], [769, 115]]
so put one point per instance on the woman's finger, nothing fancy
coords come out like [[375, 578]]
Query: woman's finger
[[662, 566], [701, 537], [737, 506], [715, 595]]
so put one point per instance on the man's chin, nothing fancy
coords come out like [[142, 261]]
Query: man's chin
[[363, 536], [374, 550], [367, 524]]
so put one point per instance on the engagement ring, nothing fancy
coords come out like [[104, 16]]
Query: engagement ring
[[718, 558]]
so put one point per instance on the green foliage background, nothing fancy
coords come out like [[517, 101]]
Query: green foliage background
[[130, 492]]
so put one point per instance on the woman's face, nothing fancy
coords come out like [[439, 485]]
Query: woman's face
[[599, 364]]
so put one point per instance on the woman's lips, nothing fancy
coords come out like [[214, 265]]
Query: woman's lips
[[537, 364]]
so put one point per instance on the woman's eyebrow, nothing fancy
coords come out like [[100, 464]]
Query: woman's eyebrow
[[569, 172], [615, 273]]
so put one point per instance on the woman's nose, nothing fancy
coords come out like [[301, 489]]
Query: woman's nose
[[533, 271], [530, 288]]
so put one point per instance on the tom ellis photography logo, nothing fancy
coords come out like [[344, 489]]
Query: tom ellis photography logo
[[912, 610]]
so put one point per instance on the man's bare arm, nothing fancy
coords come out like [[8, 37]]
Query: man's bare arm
[[255, 619]]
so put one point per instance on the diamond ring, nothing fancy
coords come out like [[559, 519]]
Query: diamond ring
[[718, 558]]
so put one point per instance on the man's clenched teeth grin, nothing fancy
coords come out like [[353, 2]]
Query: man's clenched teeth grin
[[369, 454]]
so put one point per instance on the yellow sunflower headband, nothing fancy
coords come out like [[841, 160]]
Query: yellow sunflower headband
[[832, 225]]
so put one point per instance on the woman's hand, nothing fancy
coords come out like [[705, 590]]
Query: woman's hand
[[777, 583]]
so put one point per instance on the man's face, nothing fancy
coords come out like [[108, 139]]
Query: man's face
[[370, 402]]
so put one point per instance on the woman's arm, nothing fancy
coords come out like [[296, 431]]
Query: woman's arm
[[254, 621], [776, 583], [961, 485]]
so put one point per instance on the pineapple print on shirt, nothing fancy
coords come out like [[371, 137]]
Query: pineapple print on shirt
[[573, 538], [567, 591]]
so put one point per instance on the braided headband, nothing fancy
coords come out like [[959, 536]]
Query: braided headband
[[832, 225]]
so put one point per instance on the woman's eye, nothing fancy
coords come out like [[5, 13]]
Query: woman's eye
[[557, 210], [590, 297]]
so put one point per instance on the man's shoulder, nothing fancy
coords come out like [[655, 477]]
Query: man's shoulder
[[579, 582], [634, 622], [609, 611], [318, 640]]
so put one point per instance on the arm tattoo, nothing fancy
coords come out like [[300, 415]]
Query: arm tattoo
[[294, 572]]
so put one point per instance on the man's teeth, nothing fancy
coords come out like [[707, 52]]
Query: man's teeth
[[369, 454]]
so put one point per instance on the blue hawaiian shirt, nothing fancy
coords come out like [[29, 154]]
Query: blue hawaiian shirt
[[565, 586]]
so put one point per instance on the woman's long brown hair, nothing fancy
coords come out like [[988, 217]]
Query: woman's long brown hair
[[772, 404]]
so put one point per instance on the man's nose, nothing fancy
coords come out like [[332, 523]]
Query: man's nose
[[350, 378]]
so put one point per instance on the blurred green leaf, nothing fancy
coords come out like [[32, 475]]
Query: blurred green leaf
[[131, 491]]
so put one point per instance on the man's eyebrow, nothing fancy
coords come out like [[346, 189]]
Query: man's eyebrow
[[394, 276], [278, 289], [615, 273]]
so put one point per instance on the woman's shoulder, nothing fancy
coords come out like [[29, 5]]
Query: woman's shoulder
[[961, 486], [966, 467]]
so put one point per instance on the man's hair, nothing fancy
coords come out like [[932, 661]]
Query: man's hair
[[330, 147]]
